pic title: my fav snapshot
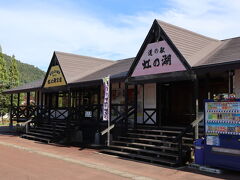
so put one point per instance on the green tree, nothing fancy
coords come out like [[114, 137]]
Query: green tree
[[13, 77], [13, 73], [3, 85]]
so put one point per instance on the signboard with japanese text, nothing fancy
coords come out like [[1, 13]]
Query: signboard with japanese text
[[55, 77], [158, 58], [106, 83]]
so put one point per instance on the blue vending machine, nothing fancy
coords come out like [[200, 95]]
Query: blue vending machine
[[222, 130]]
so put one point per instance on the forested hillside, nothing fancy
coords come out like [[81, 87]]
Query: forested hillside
[[28, 73]]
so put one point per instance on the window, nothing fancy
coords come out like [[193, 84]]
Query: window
[[62, 100]]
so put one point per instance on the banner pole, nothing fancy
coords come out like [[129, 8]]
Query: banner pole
[[109, 112]]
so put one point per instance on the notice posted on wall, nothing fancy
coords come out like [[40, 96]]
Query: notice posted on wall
[[213, 141]]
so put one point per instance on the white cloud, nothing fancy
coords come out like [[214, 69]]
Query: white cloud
[[33, 35]]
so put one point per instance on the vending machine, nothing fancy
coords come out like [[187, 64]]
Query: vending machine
[[222, 131]]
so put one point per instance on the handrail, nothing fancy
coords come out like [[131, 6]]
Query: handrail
[[117, 119], [196, 125], [26, 124], [198, 120]]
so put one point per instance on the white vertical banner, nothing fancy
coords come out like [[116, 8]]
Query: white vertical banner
[[106, 105]]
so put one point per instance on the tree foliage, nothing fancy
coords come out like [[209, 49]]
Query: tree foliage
[[28, 73], [14, 73], [3, 84]]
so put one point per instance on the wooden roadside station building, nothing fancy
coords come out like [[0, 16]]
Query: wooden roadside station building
[[156, 98]]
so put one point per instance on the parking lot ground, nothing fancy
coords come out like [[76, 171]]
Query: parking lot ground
[[27, 159]]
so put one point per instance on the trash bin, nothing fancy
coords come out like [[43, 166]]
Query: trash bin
[[199, 151]]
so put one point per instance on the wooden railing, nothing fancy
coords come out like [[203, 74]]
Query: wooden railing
[[24, 113], [150, 113], [86, 112]]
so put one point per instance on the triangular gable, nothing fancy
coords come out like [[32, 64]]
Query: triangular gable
[[157, 55], [158, 58], [54, 76]]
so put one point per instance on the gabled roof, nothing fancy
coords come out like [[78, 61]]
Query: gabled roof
[[76, 66], [117, 70], [227, 52], [193, 46], [196, 49]]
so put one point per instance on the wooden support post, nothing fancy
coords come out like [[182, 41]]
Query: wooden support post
[[126, 106], [42, 100], [196, 91], [48, 100], [18, 105], [11, 106], [69, 118], [41, 115], [28, 98], [158, 105], [230, 82], [99, 107], [207, 93], [37, 98], [28, 103], [135, 105], [18, 99]]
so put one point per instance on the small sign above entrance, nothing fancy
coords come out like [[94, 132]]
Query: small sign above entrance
[[55, 77], [158, 58]]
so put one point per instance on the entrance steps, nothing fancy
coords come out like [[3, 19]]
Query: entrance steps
[[158, 145], [46, 132]]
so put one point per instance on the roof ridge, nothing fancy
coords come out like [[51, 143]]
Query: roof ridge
[[125, 59], [230, 38], [83, 56], [186, 30]]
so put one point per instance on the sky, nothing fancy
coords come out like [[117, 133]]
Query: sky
[[111, 29]]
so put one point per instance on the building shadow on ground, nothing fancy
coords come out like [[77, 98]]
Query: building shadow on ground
[[226, 174]]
